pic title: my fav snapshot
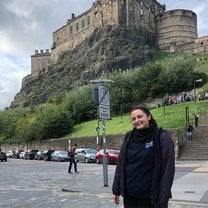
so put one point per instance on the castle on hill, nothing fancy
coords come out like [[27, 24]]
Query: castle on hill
[[175, 30]]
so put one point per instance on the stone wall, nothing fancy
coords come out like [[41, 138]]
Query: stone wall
[[176, 27], [63, 143], [199, 45], [102, 13], [40, 62]]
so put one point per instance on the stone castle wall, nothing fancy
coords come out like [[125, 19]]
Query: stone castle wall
[[40, 63], [40, 60], [201, 45], [176, 27]]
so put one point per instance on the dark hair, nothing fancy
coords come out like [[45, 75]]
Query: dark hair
[[152, 121]]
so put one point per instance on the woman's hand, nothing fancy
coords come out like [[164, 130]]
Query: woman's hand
[[116, 199]]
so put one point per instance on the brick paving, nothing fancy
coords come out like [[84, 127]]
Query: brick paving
[[31, 184]]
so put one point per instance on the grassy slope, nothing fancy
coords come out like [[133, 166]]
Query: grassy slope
[[172, 116]]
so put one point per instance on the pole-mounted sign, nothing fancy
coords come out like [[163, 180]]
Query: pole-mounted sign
[[101, 98], [104, 102]]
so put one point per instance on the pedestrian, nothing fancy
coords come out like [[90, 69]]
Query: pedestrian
[[146, 165], [189, 131], [196, 119], [72, 160]]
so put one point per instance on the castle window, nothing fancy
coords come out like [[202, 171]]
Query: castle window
[[71, 30], [141, 12], [88, 20], [141, 3], [77, 26], [83, 23]]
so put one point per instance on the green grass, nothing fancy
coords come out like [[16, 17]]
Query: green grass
[[202, 62], [201, 59], [172, 116]]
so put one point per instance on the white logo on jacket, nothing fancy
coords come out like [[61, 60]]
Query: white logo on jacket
[[149, 144]]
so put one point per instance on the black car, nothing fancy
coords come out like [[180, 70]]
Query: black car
[[39, 155], [47, 154], [30, 155], [3, 156], [16, 154]]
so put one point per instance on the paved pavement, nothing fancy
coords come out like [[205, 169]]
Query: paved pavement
[[31, 184]]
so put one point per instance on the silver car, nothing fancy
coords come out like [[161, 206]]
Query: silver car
[[86, 155], [60, 155]]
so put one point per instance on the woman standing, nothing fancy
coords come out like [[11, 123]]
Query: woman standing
[[146, 164]]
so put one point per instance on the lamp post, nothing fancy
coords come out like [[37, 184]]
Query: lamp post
[[101, 99], [195, 81]]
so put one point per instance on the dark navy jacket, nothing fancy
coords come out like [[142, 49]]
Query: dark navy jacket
[[163, 172]]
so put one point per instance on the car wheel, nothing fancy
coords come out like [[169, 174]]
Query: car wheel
[[86, 160]]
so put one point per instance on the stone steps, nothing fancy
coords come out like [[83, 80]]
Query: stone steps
[[197, 148]]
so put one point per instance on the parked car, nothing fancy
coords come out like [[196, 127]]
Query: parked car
[[112, 156], [30, 155], [47, 154], [60, 155], [22, 155], [16, 154], [3, 156], [10, 153], [85, 154], [39, 155]]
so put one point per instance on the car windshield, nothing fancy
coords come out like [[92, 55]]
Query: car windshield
[[114, 151], [62, 153], [92, 151]]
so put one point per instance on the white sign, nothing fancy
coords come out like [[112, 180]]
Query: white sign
[[104, 102], [104, 112], [103, 95]]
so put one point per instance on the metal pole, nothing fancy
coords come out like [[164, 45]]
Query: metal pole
[[105, 164], [98, 128], [195, 92]]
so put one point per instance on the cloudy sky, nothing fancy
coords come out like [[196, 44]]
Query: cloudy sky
[[27, 25]]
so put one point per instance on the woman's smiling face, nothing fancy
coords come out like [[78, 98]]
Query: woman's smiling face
[[140, 120]]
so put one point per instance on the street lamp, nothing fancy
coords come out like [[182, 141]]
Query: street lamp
[[101, 99], [195, 81]]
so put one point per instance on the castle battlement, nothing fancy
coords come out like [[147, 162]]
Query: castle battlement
[[42, 53], [40, 62]]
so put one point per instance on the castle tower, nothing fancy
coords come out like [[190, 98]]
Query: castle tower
[[176, 27], [142, 13], [40, 62]]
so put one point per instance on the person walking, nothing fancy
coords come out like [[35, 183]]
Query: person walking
[[189, 131], [72, 160], [145, 170]]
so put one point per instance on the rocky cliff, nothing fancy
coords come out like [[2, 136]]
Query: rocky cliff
[[106, 50]]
